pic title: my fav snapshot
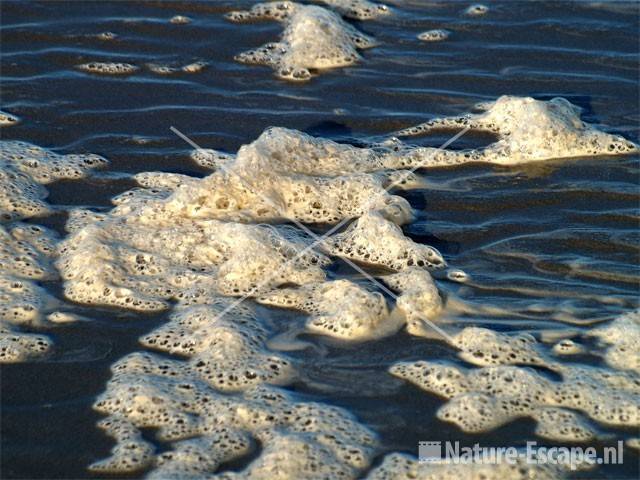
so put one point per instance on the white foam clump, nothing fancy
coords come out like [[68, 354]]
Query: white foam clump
[[621, 338], [8, 119], [418, 299], [314, 39], [372, 239], [436, 35], [141, 260], [225, 344], [25, 256], [106, 36], [180, 20], [185, 239], [176, 238], [211, 159], [27, 251], [484, 347], [109, 68], [17, 346], [291, 151], [345, 310], [398, 466], [213, 406], [340, 309], [288, 175], [170, 69], [476, 10], [358, 9], [528, 130], [194, 67], [25, 167], [483, 399]]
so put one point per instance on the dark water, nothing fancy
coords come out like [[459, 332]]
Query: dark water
[[545, 242]]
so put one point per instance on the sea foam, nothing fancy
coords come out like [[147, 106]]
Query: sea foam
[[502, 390], [27, 251], [8, 119], [192, 244], [314, 38], [528, 130]]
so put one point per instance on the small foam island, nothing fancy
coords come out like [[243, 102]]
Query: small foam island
[[7, 119], [314, 38], [476, 10], [528, 130], [27, 251], [108, 68], [24, 168], [485, 398], [436, 35]]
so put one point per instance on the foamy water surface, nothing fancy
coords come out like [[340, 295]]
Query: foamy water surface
[[128, 355]]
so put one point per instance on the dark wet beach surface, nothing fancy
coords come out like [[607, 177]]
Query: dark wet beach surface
[[544, 242]]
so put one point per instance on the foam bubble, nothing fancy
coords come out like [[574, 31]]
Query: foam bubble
[[7, 119], [108, 68], [173, 68], [456, 275], [528, 130], [568, 347], [161, 69], [314, 39], [436, 35]]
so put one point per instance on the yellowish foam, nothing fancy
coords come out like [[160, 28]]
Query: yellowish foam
[[314, 39], [8, 119], [528, 130], [485, 398], [26, 250]]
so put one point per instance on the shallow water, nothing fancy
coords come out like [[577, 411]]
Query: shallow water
[[544, 244]]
